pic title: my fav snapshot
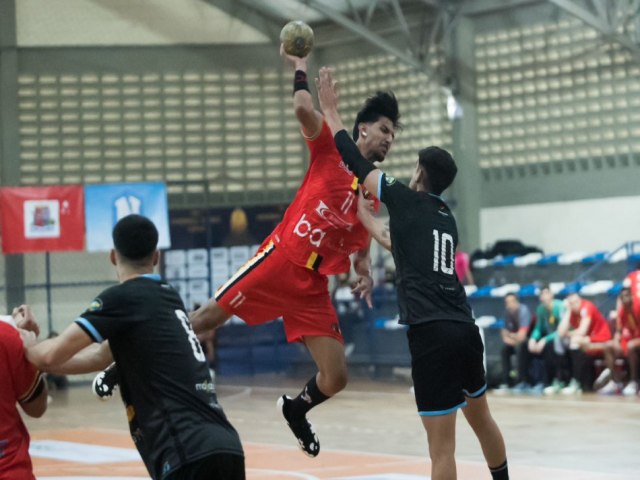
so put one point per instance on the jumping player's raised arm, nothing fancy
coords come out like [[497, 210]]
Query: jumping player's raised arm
[[310, 119]]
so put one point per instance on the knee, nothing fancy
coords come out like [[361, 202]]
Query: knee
[[334, 381]]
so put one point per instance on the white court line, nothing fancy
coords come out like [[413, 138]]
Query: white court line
[[281, 474]]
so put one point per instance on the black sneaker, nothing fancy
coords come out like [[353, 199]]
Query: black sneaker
[[301, 428], [105, 383]]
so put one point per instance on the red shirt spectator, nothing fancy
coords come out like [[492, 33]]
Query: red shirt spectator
[[598, 330]]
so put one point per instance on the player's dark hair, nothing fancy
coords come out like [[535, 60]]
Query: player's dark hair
[[135, 238], [511, 294], [545, 286], [382, 104], [625, 289], [440, 168]]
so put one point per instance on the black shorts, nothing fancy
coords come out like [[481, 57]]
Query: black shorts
[[447, 365], [218, 466]]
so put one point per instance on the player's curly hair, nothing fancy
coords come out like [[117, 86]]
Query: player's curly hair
[[135, 238], [382, 104], [440, 168]]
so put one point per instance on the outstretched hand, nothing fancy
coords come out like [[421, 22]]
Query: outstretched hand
[[327, 91]]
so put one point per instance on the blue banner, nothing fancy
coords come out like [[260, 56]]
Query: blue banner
[[106, 204]]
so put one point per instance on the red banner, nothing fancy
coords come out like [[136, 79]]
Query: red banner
[[42, 219]]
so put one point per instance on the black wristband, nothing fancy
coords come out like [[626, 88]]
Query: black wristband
[[300, 81], [352, 157]]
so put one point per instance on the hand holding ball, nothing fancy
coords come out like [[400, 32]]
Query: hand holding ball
[[297, 38]]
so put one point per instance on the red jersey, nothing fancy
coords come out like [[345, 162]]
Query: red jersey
[[18, 381], [320, 229], [632, 281], [628, 323], [598, 328]]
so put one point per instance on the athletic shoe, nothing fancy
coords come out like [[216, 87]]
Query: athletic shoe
[[602, 379], [106, 382], [554, 388], [631, 389], [521, 388], [301, 428], [537, 389], [611, 388], [572, 389], [501, 389]]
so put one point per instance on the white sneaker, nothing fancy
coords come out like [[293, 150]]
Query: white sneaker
[[572, 389], [602, 380], [611, 388], [631, 389]]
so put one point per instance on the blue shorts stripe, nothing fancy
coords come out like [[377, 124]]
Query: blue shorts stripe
[[477, 393], [90, 329], [436, 413]]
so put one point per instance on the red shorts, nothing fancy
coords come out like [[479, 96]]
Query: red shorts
[[269, 286]]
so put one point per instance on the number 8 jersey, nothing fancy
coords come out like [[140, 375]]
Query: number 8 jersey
[[173, 412]]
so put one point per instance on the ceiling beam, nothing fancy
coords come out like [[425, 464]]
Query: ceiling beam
[[371, 37], [252, 16], [600, 24]]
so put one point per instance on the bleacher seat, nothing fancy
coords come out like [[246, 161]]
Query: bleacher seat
[[569, 288], [528, 259], [615, 289], [505, 289], [569, 258], [482, 292], [530, 290], [504, 261], [594, 257], [596, 288], [551, 259]]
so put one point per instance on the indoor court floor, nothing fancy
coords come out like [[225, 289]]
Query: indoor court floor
[[368, 432]]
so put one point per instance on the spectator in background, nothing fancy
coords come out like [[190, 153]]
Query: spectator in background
[[517, 319], [632, 282], [548, 315], [348, 309], [20, 383], [625, 343], [582, 329], [463, 268]]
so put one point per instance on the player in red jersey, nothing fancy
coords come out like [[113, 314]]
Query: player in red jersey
[[319, 232], [20, 383], [583, 330], [632, 281], [625, 343]]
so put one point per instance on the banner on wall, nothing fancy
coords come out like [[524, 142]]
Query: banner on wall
[[106, 204], [42, 219]]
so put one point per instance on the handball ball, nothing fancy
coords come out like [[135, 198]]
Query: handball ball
[[297, 38]]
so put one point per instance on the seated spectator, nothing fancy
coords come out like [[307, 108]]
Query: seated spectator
[[21, 383], [514, 336], [625, 344], [548, 314], [463, 268], [632, 282], [348, 309], [582, 330]]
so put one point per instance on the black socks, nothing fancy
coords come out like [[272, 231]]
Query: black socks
[[501, 472], [308, 398]]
